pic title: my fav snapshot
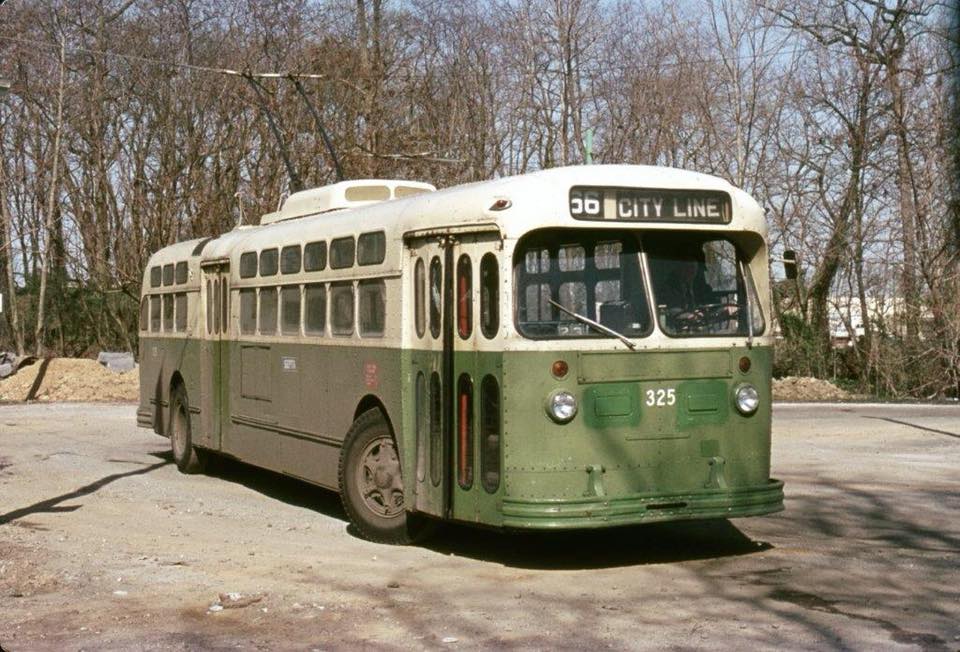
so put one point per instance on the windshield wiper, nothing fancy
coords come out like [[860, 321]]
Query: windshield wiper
[[593, 324]]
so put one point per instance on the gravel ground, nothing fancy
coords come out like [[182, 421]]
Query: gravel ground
[[103, 545]]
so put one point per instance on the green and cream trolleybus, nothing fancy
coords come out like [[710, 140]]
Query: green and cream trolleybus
[[573, 348]]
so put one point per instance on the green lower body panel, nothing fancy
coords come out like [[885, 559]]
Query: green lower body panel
[[629, 510]]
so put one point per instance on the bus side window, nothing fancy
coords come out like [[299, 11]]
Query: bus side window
[[144, 313], [464, 297], [315, 257], [209, 307], [248, 264], [290, 310], [489, 296], [290, 260], [371, 248], [180, 272], [268, 311], [436, 288], [224, 303], [419, 280], [341, 314], [268, 262], [373, 308], [216, 305], [342, 252], [248, 311], [155, 276], [168, 274], [315, 310], [180, 309], [155, 314], [168, 313]]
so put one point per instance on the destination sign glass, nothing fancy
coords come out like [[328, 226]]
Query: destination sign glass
[[649, 205]]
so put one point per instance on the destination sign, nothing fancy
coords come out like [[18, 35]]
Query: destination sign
[[650, 205]]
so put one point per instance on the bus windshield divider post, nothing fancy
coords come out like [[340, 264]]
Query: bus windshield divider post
[[746, 290]]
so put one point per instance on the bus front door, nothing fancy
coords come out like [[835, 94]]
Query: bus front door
[[214, 376], [429, 367], [447, 368]]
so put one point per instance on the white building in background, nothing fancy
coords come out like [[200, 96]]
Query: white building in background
[[846, 319]]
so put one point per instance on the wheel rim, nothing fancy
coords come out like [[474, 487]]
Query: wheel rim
[[378, 478], [179, 432]]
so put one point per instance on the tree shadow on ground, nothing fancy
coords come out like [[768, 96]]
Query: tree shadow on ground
[[53, 506]]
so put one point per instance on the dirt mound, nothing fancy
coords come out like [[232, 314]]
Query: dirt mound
[[72, 379], [794, 388]]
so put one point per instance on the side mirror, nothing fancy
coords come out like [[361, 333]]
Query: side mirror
[[790, 264]]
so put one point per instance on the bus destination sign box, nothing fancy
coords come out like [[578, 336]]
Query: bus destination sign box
[[649, 205]]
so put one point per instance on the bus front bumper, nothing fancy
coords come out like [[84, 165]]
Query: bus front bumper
[[608, 511]]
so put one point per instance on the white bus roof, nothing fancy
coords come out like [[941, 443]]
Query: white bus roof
[[535, 200]]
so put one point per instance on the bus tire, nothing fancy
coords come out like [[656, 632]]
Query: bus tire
[[188, 458], [371, 484]]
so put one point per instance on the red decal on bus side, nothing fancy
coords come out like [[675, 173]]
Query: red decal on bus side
[[371, 375]]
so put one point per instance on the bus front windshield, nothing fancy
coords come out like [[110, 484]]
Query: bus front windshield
[[700, 285], [595, 275]]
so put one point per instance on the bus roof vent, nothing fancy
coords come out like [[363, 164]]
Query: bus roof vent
[[346, 194]]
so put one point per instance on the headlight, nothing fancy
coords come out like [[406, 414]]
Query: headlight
[[747, 399], [561, 407]]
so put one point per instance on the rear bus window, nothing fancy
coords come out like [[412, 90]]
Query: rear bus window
[[155, 275], [180, 274], [168, 274], [144, 313]]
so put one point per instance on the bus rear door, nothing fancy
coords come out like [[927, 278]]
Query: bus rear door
[[214, 358]]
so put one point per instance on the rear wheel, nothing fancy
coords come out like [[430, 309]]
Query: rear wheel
[[187, 458], [371, 484]]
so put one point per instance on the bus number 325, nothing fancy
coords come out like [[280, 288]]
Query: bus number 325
[[661, 397]]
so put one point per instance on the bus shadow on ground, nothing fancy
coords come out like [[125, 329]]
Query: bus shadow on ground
[[273, 485], [637, 545], [653, 543]]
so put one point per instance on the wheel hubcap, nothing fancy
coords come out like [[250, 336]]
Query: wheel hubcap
[[179, 432], [379, 478]]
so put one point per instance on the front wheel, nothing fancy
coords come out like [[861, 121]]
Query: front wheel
[[187, 458], [371, 484]]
